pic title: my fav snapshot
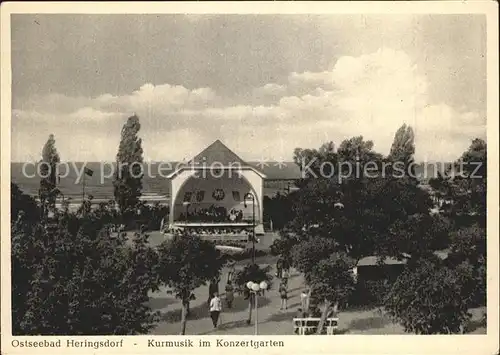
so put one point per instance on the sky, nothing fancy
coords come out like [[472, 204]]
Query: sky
[[262, 84]]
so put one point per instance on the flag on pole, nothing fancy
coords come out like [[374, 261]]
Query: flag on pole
[[88, 171]]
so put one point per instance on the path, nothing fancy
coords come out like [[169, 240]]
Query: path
[[272, 321]]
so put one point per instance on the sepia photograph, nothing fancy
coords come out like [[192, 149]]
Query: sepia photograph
[[247, 174]]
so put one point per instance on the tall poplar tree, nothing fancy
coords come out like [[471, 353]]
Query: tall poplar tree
[[402, 154], [48, 173], [128, 177], [403, 146]]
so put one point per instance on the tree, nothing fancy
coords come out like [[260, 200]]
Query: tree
[[428, 299], [128, 178], [358, 150], [357, 211], [283, 245], [471, 181], [187, 262], [309, 160], [363, 213], [433, 296], [75, 277], [22, 205], [468, 252], [442, 192], [278, 210], [327, 272], [468, 244], [254, 273], [48, 172], [403, 146], [463, 186], [327, 161], [333, 282], [415, 237], [306, 254]]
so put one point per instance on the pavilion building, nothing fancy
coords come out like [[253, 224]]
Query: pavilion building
[[216, 190]]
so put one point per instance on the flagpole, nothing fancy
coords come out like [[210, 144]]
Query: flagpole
[[83, 187]]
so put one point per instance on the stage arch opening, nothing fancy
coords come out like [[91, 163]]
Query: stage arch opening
[[216, 197]]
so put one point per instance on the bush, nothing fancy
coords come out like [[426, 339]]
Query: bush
[[151, 216], [252, 272], [369, 293], [22, 204], [245, 254], [468, 256], [61, 274], [428, 299]]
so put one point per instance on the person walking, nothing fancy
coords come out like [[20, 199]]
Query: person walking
[[279, 268], [284, 277], [229, 294], [215, 309], [232, 269], [284, 296], [286, 266], [213, 288], [304, 299]]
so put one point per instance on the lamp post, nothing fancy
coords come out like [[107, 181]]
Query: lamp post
[[252, 197], [255, 288]]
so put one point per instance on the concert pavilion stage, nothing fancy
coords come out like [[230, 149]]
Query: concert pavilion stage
[[216, 194]]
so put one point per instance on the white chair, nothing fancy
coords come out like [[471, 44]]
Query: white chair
[[305, 326], [331, 325]]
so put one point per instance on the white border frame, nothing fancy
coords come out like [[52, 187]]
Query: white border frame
[[353, 344]]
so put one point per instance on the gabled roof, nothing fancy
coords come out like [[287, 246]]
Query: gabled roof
[[217, 156], [217, 153]]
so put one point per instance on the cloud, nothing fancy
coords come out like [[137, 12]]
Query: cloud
[[444, 132], [158, 98], [52, 103], [270, 89], [374, 94], [175, 145], [310, 78], [370, 95], [89, 113]]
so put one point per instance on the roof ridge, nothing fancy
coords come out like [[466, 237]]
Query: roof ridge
[[218, 152]]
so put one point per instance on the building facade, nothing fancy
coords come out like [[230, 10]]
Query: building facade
[[216, 188]]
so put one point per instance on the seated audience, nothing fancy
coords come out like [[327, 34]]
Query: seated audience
[[212, 214]]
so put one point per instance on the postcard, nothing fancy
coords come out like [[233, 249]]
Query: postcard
[[233, 177]]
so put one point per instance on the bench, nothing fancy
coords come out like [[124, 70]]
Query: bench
[[306, 326]]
